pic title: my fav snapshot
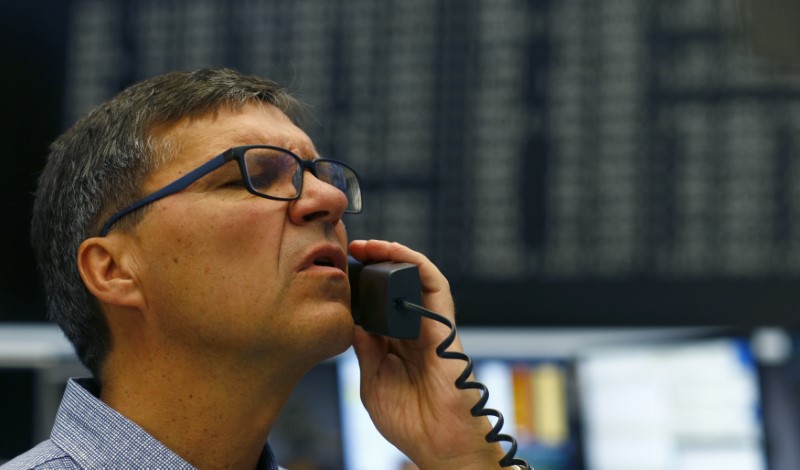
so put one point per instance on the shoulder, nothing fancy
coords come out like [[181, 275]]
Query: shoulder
[[45, 456]]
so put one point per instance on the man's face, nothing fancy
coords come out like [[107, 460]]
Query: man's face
[[227, 272]]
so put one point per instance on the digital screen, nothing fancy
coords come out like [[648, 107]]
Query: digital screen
[[362, 444], [532, 395], [583, 161], [307, 433], [688, 406]]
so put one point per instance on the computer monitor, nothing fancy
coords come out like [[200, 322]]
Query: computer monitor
[[555, 388], [530, 392], [686, 405], [307, 433]]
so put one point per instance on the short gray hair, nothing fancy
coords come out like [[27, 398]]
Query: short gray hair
[[98, 167]]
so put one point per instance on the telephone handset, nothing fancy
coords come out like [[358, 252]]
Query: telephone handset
[[386, 299], [376, 291]]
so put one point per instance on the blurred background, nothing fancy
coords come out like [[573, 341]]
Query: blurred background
[[613, 174]]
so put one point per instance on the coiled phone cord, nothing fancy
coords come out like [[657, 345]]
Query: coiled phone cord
[[462, 383]]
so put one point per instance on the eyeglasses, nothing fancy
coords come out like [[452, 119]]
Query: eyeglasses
[[267, 171]]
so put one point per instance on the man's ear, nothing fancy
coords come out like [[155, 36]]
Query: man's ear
[[108, 270]]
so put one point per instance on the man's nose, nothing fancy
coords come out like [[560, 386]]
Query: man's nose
[[318, 201]]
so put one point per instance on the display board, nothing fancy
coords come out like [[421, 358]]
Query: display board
[[571, 161]]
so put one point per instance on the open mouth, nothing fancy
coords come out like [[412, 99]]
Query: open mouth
[[324, 256], [324, 262]]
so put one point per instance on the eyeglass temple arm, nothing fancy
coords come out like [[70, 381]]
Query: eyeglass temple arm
[[178, 185]]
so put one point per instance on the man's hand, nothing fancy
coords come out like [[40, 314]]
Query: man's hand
[[409, 391]]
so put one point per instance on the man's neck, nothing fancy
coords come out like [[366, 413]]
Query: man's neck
[[213, 414]]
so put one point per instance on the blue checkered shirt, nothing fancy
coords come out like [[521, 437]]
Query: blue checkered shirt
[[87, 434]]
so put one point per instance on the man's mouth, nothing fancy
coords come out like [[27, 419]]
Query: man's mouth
[[324, 262], [325, 256]]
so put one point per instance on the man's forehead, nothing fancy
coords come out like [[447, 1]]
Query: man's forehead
[[214, 132], [298, 143]]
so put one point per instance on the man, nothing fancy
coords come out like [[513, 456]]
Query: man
[[196, 258]]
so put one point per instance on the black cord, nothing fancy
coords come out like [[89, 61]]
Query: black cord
[[462, 383]]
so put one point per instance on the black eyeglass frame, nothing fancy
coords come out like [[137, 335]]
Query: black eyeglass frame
[[237, 153]]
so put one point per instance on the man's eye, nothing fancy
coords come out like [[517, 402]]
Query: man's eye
[[271, 171], [265, 177], [236, 183]]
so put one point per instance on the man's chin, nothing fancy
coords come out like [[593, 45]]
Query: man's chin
[[334, 332]]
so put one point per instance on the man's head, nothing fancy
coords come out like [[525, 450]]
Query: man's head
[[180, 254]]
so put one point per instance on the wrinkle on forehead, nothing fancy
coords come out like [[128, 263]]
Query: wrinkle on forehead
[[302, 146], [286, 134]]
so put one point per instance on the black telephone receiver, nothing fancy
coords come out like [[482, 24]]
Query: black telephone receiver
[[386, 299], [375, 292]]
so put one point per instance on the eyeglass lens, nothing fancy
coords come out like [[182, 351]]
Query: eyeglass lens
[[343, 178], [276, 173], [272, 172]]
